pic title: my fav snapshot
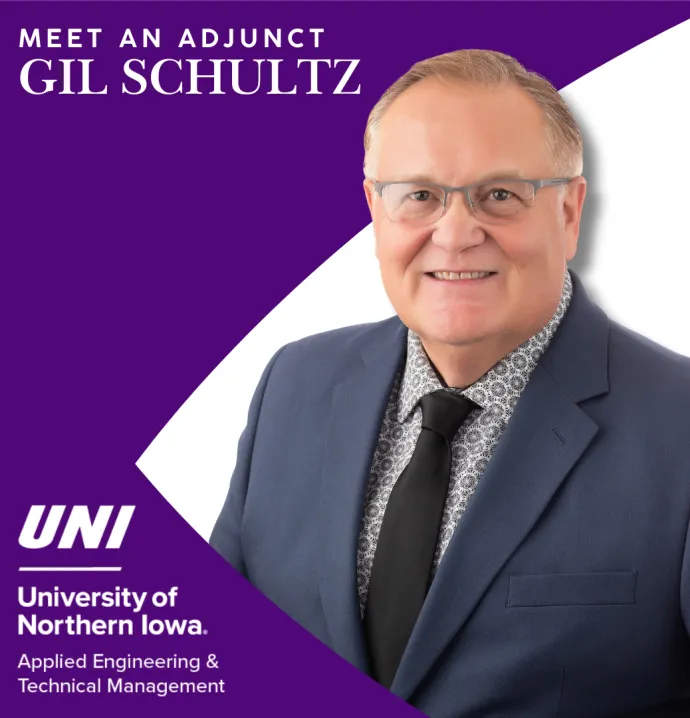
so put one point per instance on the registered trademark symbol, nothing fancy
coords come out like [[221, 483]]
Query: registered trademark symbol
[[205, 631]]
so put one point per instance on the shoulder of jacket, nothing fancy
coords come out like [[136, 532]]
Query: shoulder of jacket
[[336, 342]]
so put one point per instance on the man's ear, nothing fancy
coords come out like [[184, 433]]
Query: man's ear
[[573, 202], [369, 192]]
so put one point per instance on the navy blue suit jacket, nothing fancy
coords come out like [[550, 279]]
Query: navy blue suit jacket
[[565, 590]]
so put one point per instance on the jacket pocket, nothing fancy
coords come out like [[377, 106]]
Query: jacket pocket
[[572, 589]]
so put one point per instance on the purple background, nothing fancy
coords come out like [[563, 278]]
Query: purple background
[[138, 247]]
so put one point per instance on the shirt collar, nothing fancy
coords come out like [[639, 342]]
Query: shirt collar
[[500, 388]]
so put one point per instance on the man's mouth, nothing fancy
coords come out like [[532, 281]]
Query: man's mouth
[[460, 275]]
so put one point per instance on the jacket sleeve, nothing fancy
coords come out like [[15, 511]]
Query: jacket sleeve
[[225, 537]]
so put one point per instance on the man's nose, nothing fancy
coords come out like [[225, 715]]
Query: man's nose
[[458, 227]]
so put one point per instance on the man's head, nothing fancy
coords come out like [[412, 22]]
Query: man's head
[[457, 120]]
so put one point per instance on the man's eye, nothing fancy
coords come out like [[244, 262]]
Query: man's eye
[[421, 195], [500, 195]]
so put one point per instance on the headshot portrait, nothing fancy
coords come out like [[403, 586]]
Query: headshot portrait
[[481, 502]]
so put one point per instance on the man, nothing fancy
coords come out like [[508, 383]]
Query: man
[[483, 502]]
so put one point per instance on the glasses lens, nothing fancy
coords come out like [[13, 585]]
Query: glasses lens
[[501, 199], [412, 203]]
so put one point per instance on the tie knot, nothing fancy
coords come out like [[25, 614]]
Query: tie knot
[[444, 412]]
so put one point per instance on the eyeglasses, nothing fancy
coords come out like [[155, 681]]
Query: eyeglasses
[[492, 201]]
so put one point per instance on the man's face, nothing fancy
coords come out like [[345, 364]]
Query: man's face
[[455, 135]]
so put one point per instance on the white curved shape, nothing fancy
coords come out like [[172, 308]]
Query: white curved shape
[[191, 459]]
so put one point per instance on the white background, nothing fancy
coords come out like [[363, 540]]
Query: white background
[[633, 257]]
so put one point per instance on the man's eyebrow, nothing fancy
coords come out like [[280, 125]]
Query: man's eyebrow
[[417, 179]]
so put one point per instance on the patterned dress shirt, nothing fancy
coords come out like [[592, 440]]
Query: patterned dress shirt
[[495, 393]]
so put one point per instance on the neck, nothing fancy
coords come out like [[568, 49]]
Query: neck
[[462, 365]]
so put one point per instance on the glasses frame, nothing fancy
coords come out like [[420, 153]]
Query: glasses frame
[[537, 184]]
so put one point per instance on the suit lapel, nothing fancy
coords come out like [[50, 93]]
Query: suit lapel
[[359, 402], [544, 438]]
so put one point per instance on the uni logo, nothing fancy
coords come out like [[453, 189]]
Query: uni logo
[[78, 522]]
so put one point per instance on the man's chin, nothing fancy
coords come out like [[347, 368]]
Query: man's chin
[[453, 336]]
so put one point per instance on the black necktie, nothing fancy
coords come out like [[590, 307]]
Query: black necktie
[[401, 571]]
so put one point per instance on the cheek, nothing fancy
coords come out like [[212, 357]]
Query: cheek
[[529, 246], [396, 251]]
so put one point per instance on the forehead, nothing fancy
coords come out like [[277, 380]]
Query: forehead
[[456, 133]]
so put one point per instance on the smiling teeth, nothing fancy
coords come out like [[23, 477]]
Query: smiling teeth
[[461, 275]]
